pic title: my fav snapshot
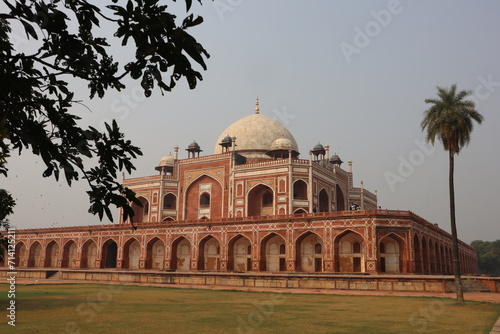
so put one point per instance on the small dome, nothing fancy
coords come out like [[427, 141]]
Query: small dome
[[227, 139], [318, 147], [194, 146], [282, 144], [167, 160], [318, 150], [335, 159]]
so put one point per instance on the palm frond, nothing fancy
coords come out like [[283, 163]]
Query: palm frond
[[450, 118]]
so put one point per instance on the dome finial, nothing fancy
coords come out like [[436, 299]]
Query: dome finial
[[257, 105]]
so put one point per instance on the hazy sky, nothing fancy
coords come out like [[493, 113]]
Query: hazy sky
[[353, 75]]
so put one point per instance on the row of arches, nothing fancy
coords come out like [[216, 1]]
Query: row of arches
[[434, 257], [260, 201], [239, 254]]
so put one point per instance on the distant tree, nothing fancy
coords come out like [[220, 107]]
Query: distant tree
[[36, 103], [488, 256], [450, 119]]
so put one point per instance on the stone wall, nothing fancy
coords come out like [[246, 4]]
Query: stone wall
[[396, 283]]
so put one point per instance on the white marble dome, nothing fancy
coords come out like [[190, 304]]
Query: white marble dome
[[167, 160], [282, 143], [255, 134]]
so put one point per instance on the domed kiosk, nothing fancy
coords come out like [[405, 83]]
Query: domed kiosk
[[255, 134]]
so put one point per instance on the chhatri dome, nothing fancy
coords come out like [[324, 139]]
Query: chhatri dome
[[167, 160], [255, 135]]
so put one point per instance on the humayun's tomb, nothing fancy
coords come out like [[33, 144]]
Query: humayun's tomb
[[253, 207]]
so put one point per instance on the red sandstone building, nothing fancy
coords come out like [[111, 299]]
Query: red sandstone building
[[251, 206]]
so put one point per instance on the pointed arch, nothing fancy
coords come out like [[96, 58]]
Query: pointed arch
[[203, 197], [309, 252], [273, 253], [155, 253], [392, 250], [169, 201], [181, 254], [300, 190], [437, 251], [209, 253], [323, 201], [260, 200], [425, 256], [432, 257], [20, 255], [349, 252], [3, 256], [89, 255], [239, 253], [339, 198], [69, 254], [109, 254], [131, 254], [35, 255], [141, 213], [417, 255], [51, 254]]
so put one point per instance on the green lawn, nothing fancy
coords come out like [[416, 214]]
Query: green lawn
[[93, 308]]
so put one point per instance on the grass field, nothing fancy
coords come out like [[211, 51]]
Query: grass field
[[93, 308]]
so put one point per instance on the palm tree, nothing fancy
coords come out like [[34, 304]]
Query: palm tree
[[450, 119]]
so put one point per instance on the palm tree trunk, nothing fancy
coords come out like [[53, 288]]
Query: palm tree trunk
[[456, 259]]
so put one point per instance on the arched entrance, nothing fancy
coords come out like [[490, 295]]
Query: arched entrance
[[20, 255], [309, 257], [35, 255], [209, 251], [131, 254], [141, 213], [432, 257], [51, 255], [3, 256], [339, 198], [169, 202], [240, 254], [89, 255], [109, 252], [390, 255], [260, 201], [324, 201], [181, 254], [273, 253], [349, 250], [425, 257], [155, 254], [69, 255], [300, 190], [199, 199], [417, 258]]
